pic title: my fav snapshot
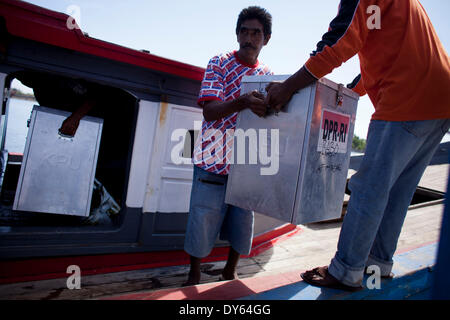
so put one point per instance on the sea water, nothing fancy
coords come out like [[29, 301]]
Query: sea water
[[19, 112]]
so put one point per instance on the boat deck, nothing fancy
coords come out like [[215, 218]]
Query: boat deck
[[278, 267]]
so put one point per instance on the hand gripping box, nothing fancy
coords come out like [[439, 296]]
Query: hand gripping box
[[293, 165], [57, 173]]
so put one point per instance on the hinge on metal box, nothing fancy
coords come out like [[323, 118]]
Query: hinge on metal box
[[340, 95]]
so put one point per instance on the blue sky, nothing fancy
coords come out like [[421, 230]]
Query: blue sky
[[194, 31]]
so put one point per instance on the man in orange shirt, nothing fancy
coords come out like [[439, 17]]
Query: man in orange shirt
[[406, 73]]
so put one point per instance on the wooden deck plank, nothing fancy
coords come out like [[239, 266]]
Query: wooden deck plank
[[435, 177]]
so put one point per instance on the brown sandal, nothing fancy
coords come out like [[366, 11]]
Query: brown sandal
[[320, 277]]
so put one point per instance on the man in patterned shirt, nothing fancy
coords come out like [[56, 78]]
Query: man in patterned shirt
[[221, 101]]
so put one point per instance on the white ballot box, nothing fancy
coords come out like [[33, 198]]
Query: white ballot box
[[57, 173], [293, 165]]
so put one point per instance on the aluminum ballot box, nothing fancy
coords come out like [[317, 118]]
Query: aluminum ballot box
[[293, 165], [57, 173]]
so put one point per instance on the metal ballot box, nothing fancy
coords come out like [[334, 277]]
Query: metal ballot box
[[57, 173], [296, 163]]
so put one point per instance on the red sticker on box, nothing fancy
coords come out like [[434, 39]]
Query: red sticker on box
[[333, 133]]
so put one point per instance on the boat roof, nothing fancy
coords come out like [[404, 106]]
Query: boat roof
[[32, 22]]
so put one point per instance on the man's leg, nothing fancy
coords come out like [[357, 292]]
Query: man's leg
[[229, 272], [401, 194], [206, 214], [194, 272], [237, 228], [390, 148]]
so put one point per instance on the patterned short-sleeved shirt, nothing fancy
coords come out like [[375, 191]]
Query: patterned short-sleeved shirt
[[222, 82]]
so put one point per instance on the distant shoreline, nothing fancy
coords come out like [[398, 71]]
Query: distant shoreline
[[22, 96]]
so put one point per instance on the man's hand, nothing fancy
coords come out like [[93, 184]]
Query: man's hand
[[279, 94], [215, 110], [69, 126], [255, 101]]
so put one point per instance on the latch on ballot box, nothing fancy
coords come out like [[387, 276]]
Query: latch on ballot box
[[340, 95]]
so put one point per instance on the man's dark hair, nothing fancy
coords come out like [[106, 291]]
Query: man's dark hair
[[258, 13]]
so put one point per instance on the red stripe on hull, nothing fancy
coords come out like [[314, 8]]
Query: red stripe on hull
[[55, 267]]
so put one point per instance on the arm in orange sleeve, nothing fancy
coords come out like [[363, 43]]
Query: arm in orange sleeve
[[357, 86], [346, 36]]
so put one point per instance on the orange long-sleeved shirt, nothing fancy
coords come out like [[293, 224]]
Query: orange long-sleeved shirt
[[405, 69]]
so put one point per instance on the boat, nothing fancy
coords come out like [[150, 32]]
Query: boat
[[140, 98]]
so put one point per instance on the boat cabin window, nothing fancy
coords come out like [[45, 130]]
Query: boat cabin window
[[79, 99]]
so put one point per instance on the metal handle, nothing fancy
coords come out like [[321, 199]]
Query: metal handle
[[340, 95], [271, 111], [64, 136]]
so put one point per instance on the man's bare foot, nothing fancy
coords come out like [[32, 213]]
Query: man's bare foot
[[193, 279], [229, 272], [228, 275]]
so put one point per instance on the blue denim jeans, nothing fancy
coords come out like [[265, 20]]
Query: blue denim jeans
[[396, 157], [210, 216]]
